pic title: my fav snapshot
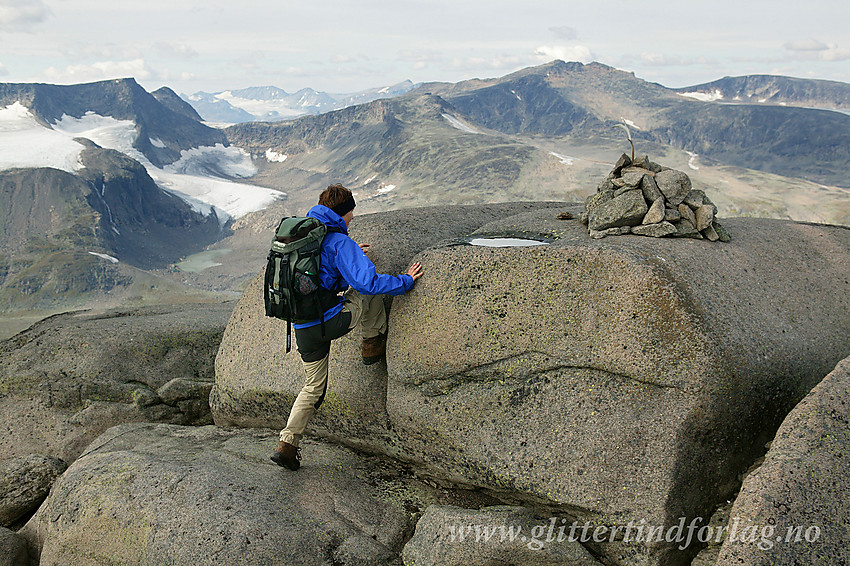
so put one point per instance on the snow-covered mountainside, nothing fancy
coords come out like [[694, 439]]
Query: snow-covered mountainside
[[201, 176], [100, 180], [272, 104]]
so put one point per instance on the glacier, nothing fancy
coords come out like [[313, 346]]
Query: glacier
[[199, 177]]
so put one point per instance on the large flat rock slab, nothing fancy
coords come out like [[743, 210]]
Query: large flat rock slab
[[627, 380], [165, 494], [623, 379]]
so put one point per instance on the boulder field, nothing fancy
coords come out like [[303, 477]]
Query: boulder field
[[618, 380], [68, 378]]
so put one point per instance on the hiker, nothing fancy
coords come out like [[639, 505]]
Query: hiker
[[344, 267]]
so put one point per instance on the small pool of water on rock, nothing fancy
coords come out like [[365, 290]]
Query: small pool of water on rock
[[504, 242]]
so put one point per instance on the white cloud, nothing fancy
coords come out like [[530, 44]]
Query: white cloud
[[661, 60], [3, 70], [107, 51], [835, 53], [102, 70], [166, 75], [813, 49], [175, 50], [496, 62], [805, 45], [421, 59], [578, 53], [18, 14], [564, 32]]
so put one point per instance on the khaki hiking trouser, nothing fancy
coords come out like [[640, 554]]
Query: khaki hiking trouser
[[368, 312]]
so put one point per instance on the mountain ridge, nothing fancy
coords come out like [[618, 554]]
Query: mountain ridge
[[122, 99], [272, 104], [590, 99], [773, 89]]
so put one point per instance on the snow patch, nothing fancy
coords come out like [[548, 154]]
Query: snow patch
[[196, 177], [108, 258], [26, 143], [156, 142], [275, 157], [704, 96], [630, 124], [460, 125], [203, 193], [564, 159], [386, 188], [518, 97], [369, 180], [105, 131], [692, 160]]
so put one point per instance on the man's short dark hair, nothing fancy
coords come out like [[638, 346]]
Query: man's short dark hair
[[335, 194], [337, 198]]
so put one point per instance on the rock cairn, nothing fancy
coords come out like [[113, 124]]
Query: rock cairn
[[648, 199]]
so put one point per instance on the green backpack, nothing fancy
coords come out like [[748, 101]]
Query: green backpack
[[293, 291]]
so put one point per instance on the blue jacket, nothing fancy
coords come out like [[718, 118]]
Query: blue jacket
[[344, 264]]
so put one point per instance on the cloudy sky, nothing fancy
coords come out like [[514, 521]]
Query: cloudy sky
[[349, 45]]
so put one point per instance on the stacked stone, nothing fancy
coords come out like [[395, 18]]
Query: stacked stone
[[648, 199]]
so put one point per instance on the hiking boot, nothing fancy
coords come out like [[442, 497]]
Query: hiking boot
[[287, 456], [374, 349]]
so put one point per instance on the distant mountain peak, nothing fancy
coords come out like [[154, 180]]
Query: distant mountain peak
[[171, 100], [773, 89], [260, 93], [273, 104]]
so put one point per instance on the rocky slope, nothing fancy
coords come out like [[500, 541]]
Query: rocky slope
[[562, 98], [406, 150], [172, 101], [771, 89]]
